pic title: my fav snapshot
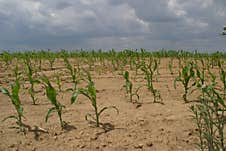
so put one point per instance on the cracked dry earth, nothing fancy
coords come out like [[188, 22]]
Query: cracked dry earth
[[146, 126]]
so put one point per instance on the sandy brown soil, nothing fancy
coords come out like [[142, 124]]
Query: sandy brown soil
[[147, 127]]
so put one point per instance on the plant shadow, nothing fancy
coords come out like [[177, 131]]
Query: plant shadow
[[37, 132], [67, 127], [107, 127]]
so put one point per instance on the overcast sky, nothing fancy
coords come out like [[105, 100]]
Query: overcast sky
[[107, 24]]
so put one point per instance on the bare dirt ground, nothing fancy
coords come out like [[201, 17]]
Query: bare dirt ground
[[147, 126]]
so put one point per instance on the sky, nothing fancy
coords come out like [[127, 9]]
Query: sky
[[119, 24]]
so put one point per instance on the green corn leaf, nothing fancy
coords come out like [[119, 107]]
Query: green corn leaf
[[51, 94], [92, 91], [60, 108], [220, 99], [20, 110], [36, 81], [128, 86], [88, 75], [185, 72], [74, 96], [199, 85], [192, 73], [45, 79], [85, 93], [30, 91], [208, 89], [126, 75], [15, 88], [198, 74], [51, 110], [222, 75]]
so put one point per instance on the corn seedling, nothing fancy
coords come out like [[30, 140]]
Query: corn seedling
[[15, 100], [29, 73], [73, 72], [58, 80], [52, 96], [138, 65], [201, 76], [222, 77], [51, 60], [149, 71], [129, 87], [90, 93], [184, 77], [157, 62], [210, 119], [7, 58]]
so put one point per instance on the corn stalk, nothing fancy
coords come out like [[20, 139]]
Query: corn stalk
[[15, 100], [52, 96], [185, 75], [90, 93]]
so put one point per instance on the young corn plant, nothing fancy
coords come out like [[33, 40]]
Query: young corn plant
[[186, 74], [52, 96], [90, 93], [149, 71], [201, 76], [7, 58], [29, 73], [157, 62], [57, 76], [212, 76], [138, 65], [15, 100], [129, 87], [210, 119], [73, 72], [51, 60], [222, 77], [201, 73]]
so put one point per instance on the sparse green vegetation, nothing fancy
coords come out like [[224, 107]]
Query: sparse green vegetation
[[32, 81], [51, 94], [149, 71], [129, 87], [15, 99], [90, 93], [185, 76], [47, 74]]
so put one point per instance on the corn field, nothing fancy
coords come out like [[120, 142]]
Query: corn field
[[112, 100]]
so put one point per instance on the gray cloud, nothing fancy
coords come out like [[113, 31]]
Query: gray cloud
[[106, 24]]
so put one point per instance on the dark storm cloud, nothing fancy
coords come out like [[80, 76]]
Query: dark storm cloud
[[106, 24]]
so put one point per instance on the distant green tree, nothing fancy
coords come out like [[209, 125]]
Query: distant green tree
[[224, 32]]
